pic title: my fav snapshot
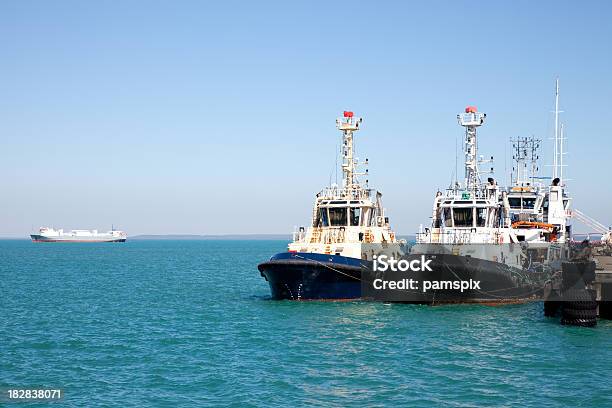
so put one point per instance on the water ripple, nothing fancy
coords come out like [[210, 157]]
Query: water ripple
[[190, 323]]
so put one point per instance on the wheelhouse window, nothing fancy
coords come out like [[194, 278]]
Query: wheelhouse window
[[323, 220], [355, 215], [368, 215], [515, 202], [337, 216], [463, 217], [481, 217], [448, 218], [496, 217], [529, 202], [317, 220]]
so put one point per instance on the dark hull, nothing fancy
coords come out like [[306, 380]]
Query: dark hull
[[498, 282], [308, 276]]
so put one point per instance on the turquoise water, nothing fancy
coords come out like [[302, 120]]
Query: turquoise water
[[188, 323]]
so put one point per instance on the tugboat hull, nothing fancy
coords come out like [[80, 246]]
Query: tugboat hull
[[490, 282], [311, 276]]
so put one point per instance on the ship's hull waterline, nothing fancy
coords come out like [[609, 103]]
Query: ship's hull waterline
[[310, 276]]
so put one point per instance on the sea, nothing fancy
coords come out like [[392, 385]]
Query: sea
[[189, 323]]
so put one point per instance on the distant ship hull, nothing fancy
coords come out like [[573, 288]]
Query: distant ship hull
[[312, 276], [41, 238]]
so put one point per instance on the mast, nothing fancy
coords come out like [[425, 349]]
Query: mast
[[561, 155], [348, 126], [556, 138], [471, 119]]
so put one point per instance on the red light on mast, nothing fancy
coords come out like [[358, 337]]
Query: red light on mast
[[471, 109], [348, 114]]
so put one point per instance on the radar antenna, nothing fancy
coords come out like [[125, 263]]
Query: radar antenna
[[526, 156], [348, 125], [470, 120]]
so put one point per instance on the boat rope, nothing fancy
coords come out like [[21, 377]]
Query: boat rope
[[327, 266], [488, 293]]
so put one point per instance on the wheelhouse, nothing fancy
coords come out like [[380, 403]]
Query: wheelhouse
[[462, 213], [345, 213], [525, 204]]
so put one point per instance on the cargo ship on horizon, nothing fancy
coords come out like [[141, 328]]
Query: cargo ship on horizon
[[47, 234]]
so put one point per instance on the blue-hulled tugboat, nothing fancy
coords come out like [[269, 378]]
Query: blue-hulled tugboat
[[324, 261]]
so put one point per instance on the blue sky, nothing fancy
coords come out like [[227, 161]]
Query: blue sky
[[219, 117]]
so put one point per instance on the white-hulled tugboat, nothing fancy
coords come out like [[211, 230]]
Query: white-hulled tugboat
[[324, 261], [509, 239]]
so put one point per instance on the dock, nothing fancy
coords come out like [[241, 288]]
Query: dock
[[603, 284]]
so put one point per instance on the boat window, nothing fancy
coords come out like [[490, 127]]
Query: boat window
[[515, 202], [529, 202], [493, 216], [355, 214], [463, 217], [337, 216], [323, 217], [448, 218], [481, 217], [370, 218]]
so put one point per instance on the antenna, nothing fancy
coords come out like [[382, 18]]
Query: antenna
[[525, 152], [556, 139], [561, 154]]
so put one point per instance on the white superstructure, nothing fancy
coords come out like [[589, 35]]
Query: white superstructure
[[348, 216], [481, 212]]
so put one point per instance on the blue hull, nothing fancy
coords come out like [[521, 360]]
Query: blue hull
[[310, 276]]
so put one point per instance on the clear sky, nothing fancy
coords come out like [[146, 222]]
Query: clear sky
[[219, 117]]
